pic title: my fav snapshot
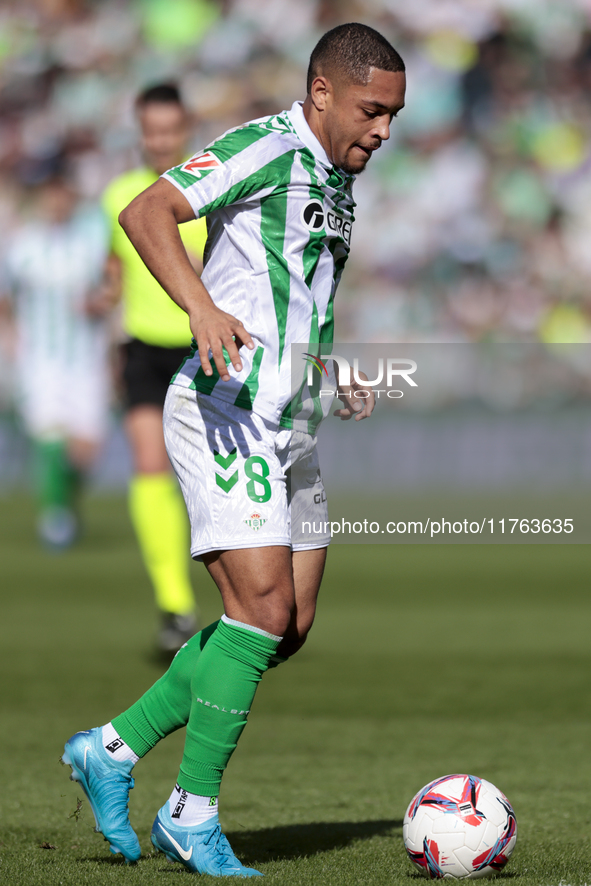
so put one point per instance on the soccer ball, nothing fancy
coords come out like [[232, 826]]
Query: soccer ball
[[459, 826]]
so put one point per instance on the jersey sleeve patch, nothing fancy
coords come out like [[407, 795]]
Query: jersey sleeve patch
[[201, 163], [194, 169]]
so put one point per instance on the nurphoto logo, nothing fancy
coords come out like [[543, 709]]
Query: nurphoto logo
[[390, 371]]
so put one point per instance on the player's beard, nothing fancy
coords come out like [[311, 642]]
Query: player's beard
[[350, 171]]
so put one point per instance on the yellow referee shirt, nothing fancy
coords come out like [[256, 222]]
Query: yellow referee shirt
[[148, 312]]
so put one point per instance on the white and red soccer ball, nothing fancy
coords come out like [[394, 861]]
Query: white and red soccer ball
[[460, 827]]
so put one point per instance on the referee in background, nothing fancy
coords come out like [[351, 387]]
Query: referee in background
[[158, 338]]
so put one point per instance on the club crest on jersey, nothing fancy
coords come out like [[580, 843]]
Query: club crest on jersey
[[255, 521], [201, 163]]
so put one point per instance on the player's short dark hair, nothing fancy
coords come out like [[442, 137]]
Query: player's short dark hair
[[161, 94], [351, 50]]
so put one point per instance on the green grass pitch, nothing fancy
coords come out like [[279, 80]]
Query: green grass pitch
[[424, 660]]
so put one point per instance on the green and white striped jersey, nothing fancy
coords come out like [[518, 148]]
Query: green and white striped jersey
[[279, 218], [50, 269]]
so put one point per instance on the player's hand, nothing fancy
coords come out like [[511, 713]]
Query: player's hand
[[360, 406], [100, 302], [214, 330]]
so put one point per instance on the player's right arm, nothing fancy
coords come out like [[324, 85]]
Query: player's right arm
[[151, 222]]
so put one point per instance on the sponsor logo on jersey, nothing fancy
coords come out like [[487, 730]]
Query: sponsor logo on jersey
[[255, 521], [201, 163], [313, 215], [315, 219], [339, 226]]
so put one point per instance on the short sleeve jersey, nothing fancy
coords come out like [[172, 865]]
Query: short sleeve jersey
[[50, 269], [279, 220], [148, 313]]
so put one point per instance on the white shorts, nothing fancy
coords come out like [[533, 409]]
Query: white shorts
[[246, 484], [56, 403]]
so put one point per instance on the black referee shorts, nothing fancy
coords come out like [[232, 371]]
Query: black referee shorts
[[147, 371]]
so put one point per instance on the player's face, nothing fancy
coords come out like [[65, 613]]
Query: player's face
[[56, 202], [164, 135], [357, 118]]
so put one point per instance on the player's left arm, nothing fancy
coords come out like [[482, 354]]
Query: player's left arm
[[358, 400]]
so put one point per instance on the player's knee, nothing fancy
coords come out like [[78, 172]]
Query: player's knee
[[271, 612], [294, 638], [281, 617], [291, 645]]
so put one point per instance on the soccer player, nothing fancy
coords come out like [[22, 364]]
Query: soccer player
[[277, 194], [159, 337], [53, 270]]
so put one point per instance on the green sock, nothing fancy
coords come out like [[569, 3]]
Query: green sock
[[165, 707], [160, 520], [223, 686], [54, 478]]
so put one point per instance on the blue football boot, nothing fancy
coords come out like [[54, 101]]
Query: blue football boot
[[202, 849], [106, 783]]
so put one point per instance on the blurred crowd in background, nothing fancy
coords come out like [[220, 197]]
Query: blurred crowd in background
[[473, 221]]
